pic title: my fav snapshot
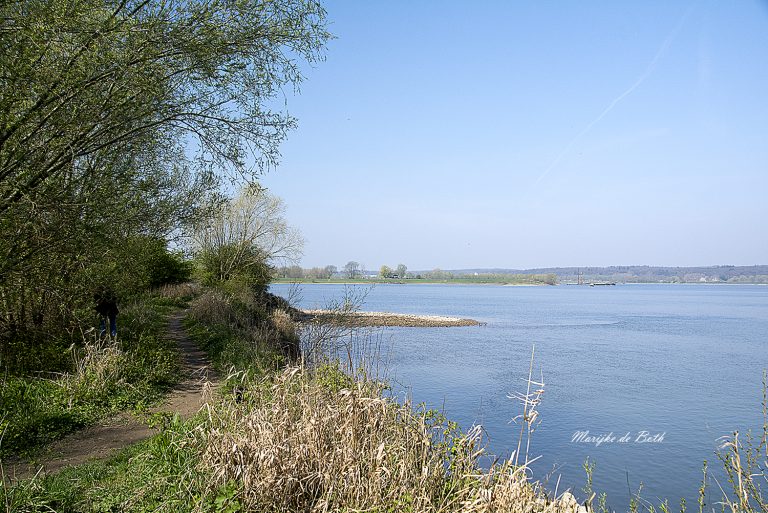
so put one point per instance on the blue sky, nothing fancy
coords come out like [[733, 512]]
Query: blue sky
[[530, 134]]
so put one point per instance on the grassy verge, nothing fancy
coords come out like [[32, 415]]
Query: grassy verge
[[158, 474], [293, 441], [105, 376]]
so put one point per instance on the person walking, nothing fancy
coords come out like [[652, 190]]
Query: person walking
[[106, 307]]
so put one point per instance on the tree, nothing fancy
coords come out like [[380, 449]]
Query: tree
[[85, 78], [401, 271], [352, 269], [330, 270], [116, 119], [385, 272], [248, 233], [321, 273], [438, 274], [294, 272], [97, 91]]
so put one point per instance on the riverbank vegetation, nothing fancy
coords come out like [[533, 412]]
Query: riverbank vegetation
[[101, 377], [119, 124], [118, 121]]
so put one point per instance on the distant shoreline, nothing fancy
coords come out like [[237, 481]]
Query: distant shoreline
[[714, 274], [500, 284], [405, 282]]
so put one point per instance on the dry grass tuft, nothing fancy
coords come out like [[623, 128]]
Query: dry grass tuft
[[214, 307], [179, 290], [324, 442], [98, 370], [282, 321], [745, 461]]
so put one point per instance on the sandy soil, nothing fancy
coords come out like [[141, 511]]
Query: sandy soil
[[104, 439], [387, 319]]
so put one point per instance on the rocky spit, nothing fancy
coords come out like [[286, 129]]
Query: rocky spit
[[386, 319]]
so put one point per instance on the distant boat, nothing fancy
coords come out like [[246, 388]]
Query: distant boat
[[601, 283]]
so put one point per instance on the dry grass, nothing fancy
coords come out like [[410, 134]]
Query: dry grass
[[334, 339], [321, 441], [214, 307], [97, 370], [745, 462], [282, 321], [179, 290]]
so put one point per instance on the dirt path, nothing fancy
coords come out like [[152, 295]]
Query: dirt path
[[102, 440]]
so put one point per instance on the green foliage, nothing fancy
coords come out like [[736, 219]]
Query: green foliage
[[226, 500], [166, 268], [91, 79], [225, 347], [137, 264], [27, 353], [589, 469], [332, 377], [244, 238], [40, 318]]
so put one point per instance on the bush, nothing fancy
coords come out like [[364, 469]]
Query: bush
[[168, 268], [235, 265]]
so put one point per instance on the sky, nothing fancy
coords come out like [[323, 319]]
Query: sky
[[511, 134]]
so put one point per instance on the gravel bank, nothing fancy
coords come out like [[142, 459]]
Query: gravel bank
[[387, 319]]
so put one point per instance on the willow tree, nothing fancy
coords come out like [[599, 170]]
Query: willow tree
[[116, 117], [246, 239]]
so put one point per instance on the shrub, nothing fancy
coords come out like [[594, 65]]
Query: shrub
[[168, 268]]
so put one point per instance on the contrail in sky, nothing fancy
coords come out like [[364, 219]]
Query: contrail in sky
[[648, 70]]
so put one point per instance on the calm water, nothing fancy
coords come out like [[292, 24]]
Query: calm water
[[682, 360]]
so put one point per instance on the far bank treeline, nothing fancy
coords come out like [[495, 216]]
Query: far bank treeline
[[119, 122], [723, 274], [352, 272]]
